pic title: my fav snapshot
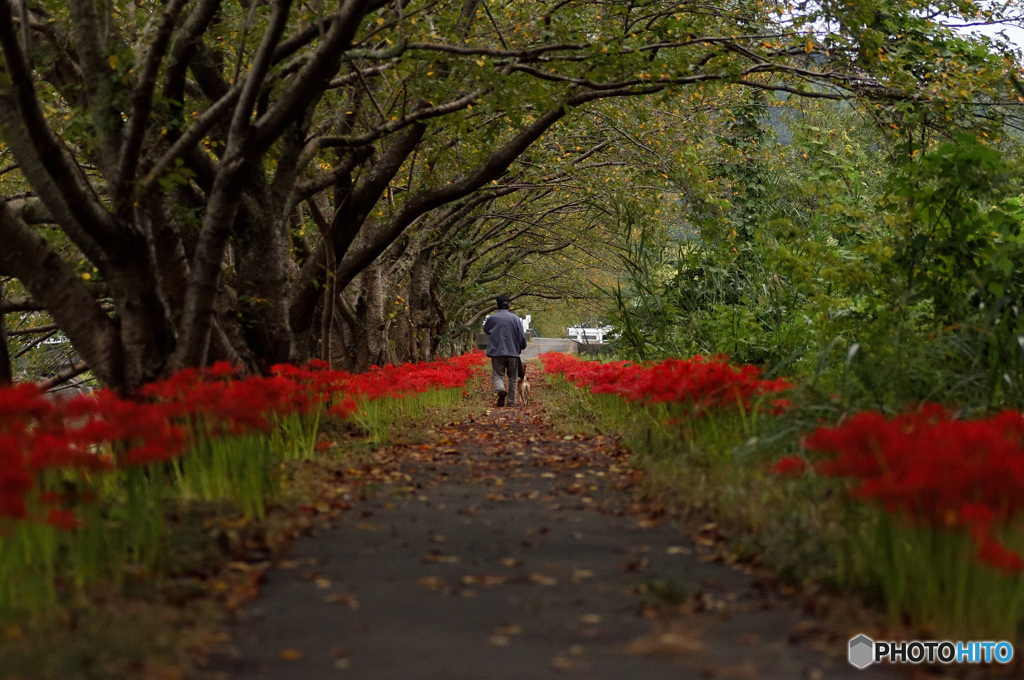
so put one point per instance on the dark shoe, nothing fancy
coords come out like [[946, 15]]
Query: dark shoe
[[501, 397]]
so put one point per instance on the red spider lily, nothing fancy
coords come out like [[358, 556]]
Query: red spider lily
[[15, 479], [62, 519], [995, 554], [703, 383], [975, 515], [21, 403], [103, 432], [791, 466], [344, 409], [935, 470]]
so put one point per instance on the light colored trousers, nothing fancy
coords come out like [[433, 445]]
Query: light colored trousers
[[500, 366]]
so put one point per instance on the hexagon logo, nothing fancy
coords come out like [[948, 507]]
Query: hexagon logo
[[862, 651]]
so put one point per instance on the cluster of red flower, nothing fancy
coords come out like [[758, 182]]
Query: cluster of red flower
[[932, 469], [103, 432], [703, 383], [387, 381]]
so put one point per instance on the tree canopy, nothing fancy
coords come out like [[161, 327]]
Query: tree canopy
[[192, 180]]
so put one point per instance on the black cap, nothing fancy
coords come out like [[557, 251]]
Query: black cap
[[503, 302]]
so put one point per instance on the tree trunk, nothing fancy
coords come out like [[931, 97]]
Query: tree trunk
[[146, 331], [29, 258], [374, 326], [440, 317], [342, 357], [403, 333], [262, 249], [420, 306], [353, 205], [6, 375]]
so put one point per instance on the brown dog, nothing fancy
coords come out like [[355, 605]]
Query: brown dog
[[523, 391]]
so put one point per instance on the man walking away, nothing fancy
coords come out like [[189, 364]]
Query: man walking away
[[505, 340]]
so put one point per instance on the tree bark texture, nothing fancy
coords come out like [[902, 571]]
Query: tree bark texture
[[421, 306], [6, 374]]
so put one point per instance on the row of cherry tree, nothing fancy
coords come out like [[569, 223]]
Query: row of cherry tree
[[192, 180]]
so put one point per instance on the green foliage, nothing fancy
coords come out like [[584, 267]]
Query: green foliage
[[647, 311], [930, 574], [835, 262], [955, 244]]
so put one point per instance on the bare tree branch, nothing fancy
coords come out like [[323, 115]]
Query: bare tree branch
[[67, 374]]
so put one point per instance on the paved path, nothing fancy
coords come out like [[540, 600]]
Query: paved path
[[538, 346], [502, 551]]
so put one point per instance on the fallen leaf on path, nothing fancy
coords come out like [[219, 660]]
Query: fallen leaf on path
[[498, 640], [669, 642], [810, 631], [291, 564], [431, 582], [240, 593], [543, 579], [484, 579], [290, 654], [436, 556], [346, 599], [567, 664], [512, 629]]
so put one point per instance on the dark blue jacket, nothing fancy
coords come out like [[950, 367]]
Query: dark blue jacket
[[506, 337]]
